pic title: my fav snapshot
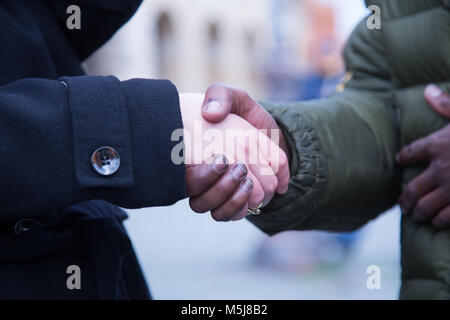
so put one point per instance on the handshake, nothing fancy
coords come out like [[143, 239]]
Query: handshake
[[235, 155]]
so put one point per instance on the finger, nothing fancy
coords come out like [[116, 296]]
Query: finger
[[236, 204], [259, 150], [241, 214], [442, 220], [283, 174], [416, 189], [218, 103], [220, 100], [201, 177], [219, 193], [438, 100], [257, 195], [265, 176], [276, 159], [430, 205], [260, 173], [416, 152]]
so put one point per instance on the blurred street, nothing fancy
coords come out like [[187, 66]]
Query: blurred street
[[189, 256]]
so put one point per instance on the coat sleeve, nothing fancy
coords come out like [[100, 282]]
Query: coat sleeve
[[100, 19], [49, 130], [343, 171]]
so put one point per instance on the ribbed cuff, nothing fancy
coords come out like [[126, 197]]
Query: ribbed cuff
[[308, 172]]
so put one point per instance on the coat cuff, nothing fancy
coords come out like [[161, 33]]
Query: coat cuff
[[154, 112], [136, 118], [99, 119], [308, 173]]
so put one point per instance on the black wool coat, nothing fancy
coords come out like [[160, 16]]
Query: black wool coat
[[56, 211]]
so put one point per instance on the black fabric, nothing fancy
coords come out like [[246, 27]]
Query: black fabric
[[52, 117], [90, 235], [109, 117]]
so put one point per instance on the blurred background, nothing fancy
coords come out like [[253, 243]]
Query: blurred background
[[278, 50]]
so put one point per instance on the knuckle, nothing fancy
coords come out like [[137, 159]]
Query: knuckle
[[442, 220], [258, 197], [443, 165], [196, 207], [270, 187], [402, 155], [198, 174], [238, 202], [434, 169], [408, 151], [439, 168], [445, 101], [221, 216], [273, 184], [429, 148], [283, 161], [204, 172], [433, 139], [445, 217], [432, 146], [243, 210], [422, 211], [410, 193], [224, 188], [446, 188]]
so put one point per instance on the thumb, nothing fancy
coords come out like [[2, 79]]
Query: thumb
[[438, 99], [218, 103]]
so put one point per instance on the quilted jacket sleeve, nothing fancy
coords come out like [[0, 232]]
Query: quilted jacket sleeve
[[343, 171]]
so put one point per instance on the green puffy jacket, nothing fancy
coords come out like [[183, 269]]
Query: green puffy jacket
[[346, 143]]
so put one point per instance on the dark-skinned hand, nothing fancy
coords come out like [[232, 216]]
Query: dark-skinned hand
[[427, 197], [220, 188]]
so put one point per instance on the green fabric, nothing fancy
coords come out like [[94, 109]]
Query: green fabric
[[344, 173]]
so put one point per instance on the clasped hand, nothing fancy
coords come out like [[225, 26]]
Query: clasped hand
[[231, 166], [228, 189]]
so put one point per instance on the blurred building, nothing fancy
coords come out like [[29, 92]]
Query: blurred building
[[193, 43], [260, 45], [310, 56]]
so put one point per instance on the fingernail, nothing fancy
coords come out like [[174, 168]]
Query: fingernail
[[433, 91], [239, 172], [247, 185], [220, 164], [213, 107]]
